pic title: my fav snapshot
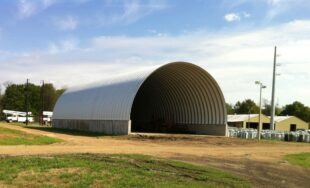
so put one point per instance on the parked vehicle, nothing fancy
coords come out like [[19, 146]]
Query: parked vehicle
[[17, 116], [47, 117]]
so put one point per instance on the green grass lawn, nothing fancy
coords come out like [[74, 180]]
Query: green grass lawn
[[300, 159], [94, 170], [16, 137]]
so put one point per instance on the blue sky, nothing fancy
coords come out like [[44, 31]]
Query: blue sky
[[70, 42]]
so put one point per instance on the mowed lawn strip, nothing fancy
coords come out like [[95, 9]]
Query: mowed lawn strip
[[97, 170], [300, 159], [16, 137]]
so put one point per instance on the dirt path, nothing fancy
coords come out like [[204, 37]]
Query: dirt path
[[261, 161]]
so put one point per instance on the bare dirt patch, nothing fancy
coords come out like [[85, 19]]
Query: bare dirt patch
[[5, 135], [260, 173]]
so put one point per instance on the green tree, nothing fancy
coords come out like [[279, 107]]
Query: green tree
[[14, 97], [267, 110], [297, 109], [230, 109], [1, 106], [59, 92], [49, 97], [246, 106]]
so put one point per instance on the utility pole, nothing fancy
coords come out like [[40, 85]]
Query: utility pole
[[42, 102], [26, 101], [273, 107]]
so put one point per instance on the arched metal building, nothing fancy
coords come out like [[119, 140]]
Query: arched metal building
[[176, 97]]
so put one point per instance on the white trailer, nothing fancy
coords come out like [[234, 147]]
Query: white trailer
[[47, 117], [17, 116]]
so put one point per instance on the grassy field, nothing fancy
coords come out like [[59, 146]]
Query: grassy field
[[84, 170], [301, 159], [16, 137]]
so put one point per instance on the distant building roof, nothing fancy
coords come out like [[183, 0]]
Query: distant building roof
[[240, 117], [278, 119]]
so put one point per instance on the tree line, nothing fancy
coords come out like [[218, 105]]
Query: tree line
[[43, 98], [40, 98], [248, 106]]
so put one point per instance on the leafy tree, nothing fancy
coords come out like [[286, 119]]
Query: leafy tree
[[230, 109], [246, 106], [34, 98], [297, 109], [267, 110], [59, 92], [1, 106], [49, 96], [14, 97]]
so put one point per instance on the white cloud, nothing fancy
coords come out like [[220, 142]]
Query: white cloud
[[232, 17], [66, 23], [235, 59], [47, 3], [133, 10], [246, 14], [63, 46], [278, 7], [28, 8]]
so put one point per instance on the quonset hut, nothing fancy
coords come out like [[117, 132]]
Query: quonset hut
[[177, 97]]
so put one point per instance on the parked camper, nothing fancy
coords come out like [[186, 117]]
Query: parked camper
[[17, 116], [47, 117]]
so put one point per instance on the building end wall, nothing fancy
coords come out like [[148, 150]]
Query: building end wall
[[109, 127]]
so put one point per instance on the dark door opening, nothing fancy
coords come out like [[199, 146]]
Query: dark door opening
[[174, 100], [251, 125], [151, 112], [235, 124], [293, 127], [178, 99], [266, 126]]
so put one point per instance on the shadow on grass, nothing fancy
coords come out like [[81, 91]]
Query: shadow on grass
[[67, 131]]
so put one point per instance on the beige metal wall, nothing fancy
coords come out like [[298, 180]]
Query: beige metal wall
[[264, 119], [285, 124]]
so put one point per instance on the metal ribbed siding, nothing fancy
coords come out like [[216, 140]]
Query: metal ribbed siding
[[183, 93], [202, 101], [109, 100]]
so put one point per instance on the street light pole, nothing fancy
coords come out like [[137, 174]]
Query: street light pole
[[261, 87]]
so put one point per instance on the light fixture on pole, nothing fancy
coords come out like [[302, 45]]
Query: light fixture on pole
[[261, 87]]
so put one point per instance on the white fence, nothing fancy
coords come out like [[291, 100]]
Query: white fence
[[296, 136]]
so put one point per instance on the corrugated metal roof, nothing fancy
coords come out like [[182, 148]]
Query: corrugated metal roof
[[240, 117], [185, 93], [278, 119]]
